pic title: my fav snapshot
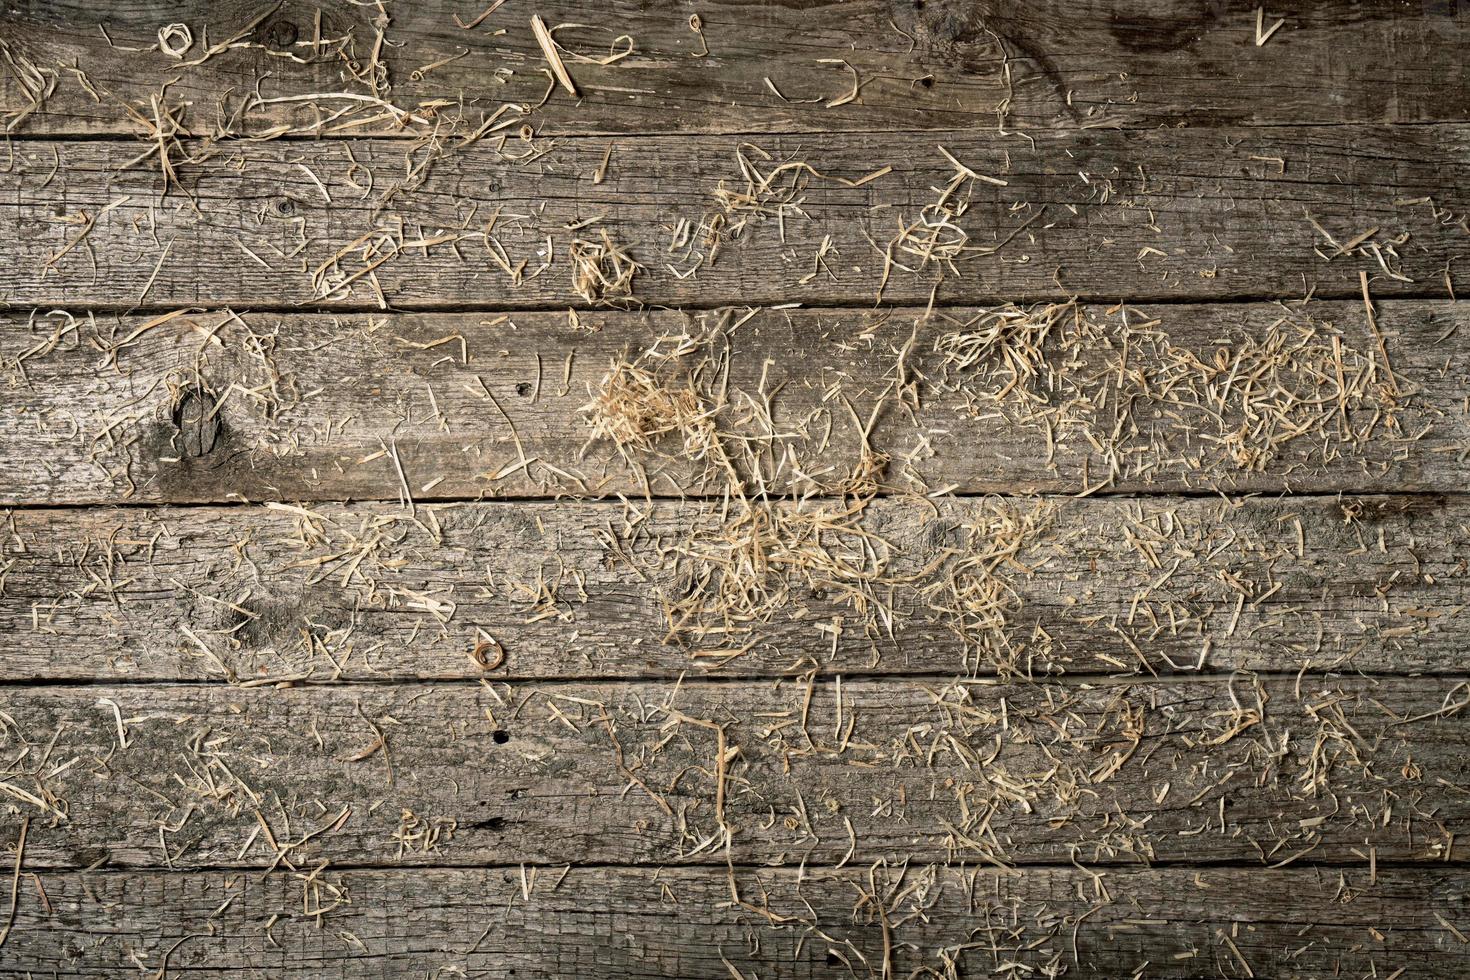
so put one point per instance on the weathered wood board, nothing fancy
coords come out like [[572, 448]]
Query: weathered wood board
[[646, 923], [866, 65], [1161, 213], [223, 406], [1260, 771], [1113, 586]]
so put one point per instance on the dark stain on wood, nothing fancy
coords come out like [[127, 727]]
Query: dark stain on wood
[[1162, 31]]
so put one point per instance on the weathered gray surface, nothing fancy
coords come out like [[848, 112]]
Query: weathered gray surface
[[219, 406], [1343, 770], [942, 64], [675, 922], [1176, 213], [1374, 584], [381, 726]]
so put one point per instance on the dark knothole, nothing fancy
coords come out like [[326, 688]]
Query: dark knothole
[[196, 420], [280, 34]]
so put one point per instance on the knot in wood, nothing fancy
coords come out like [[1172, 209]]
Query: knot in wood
[[196, 421], [279, 33]]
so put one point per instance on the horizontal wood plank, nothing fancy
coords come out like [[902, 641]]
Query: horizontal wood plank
[[1265, 771], [1186, 213], [220, 406], [626, 923], [749, 68], [545, 590]]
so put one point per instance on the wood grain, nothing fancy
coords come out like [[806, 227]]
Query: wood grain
[[1256, 770], [348, 625], [1374, 584], [1169, 213], [767, 67], [681, 923], [220, 406], [627, 923]]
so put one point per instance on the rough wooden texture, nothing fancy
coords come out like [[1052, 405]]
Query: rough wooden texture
[[1182, 214], [1375, 584], [1264, 771], [620, 923], [728, 682], [219, 406], [944, 63]]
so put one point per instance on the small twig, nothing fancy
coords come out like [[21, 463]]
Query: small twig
[[553, 58], [20, 850], [1263, 33]]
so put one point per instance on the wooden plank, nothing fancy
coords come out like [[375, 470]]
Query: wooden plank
[[625, 923], [1372, 584], [682, 923], [315, 406], [750, 68], [1245, 769], [1185, 214]]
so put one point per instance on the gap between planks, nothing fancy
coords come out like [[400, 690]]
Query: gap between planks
[[508, 305], [84, 136], [1022, 865], [773, 496], [1072, 679]]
